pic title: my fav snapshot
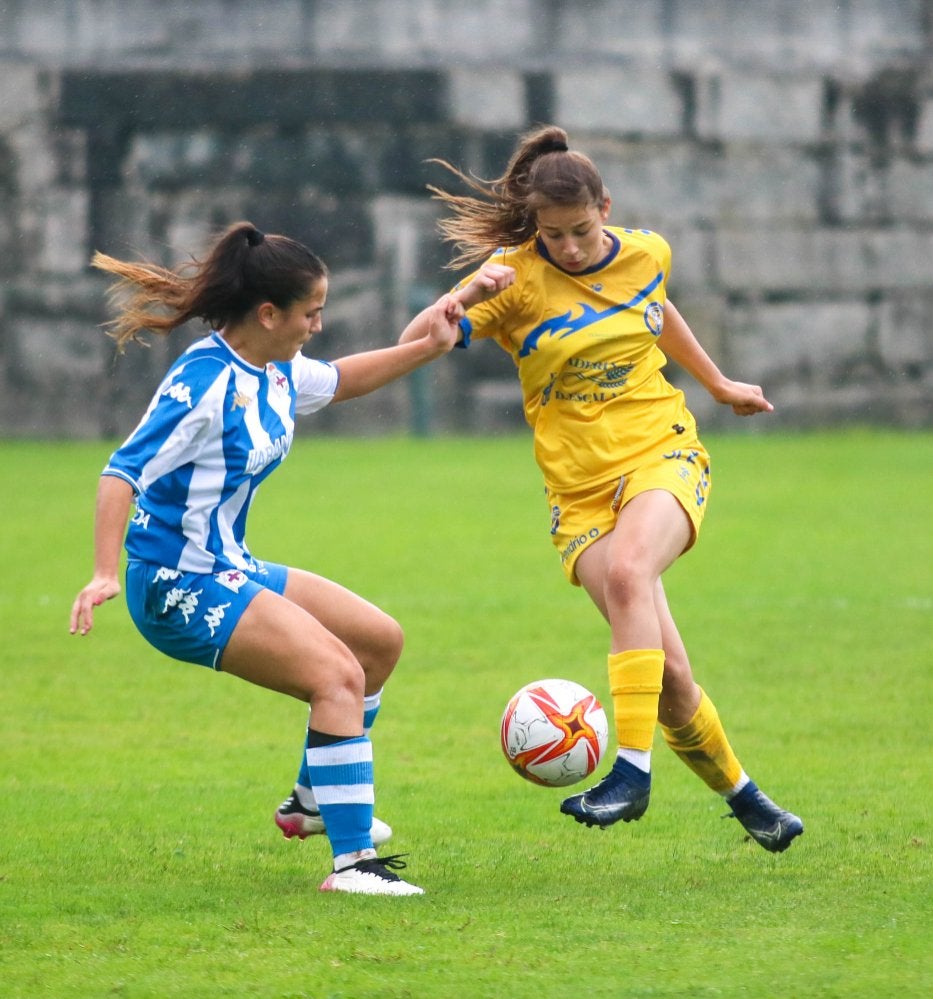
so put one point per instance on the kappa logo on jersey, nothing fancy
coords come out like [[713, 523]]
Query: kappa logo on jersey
[[180, 392], [563, 326], [240, 401], [185, 600], [164, 573], [233, 579], [140, 519], [214, 617]]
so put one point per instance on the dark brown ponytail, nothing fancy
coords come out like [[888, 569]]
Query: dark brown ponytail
[[243, 269]]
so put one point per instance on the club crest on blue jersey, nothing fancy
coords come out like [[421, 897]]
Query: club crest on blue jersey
[[278, 380]]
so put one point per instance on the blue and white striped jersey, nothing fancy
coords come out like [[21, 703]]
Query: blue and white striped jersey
[[216, 427]]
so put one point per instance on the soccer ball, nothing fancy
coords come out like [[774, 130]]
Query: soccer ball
[[554, 732]]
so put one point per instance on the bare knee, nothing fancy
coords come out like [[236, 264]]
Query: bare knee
[[335, 691], [392, 641], [627, 583], [381, 653]]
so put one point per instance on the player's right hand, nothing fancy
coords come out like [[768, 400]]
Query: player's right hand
[[486, 283], [93, 595]]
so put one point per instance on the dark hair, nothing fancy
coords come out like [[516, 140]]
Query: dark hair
[[243, 269], [543, 170]]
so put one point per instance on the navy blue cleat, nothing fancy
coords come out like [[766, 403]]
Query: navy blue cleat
[[622, 794], [766, 823]]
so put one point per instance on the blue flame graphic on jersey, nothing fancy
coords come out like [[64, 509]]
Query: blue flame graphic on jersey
[[564, 326]]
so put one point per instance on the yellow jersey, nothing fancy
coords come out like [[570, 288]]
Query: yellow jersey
[[585, 345]]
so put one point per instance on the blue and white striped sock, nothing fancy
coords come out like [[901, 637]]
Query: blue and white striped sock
[[341, 772], [371, 705]]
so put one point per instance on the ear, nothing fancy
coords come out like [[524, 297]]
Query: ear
[[605, 208], [266, 314]]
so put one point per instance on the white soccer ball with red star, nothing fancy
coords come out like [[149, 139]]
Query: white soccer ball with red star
[[554, 732]]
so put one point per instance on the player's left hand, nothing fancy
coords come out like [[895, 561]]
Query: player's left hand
[[745, 400]]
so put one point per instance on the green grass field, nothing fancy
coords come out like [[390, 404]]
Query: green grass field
[[137, 853]]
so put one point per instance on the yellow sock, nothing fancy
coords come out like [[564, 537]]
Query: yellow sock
[[635, 684], [703, 746]]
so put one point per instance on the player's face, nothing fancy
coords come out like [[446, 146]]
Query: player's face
[[293, 327], [573, 234]]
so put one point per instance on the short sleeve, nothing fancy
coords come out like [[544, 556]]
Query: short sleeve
[[315, 383]]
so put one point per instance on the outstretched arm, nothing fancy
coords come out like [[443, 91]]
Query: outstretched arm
[[431, 334], [114, 498], [486, 283], [681, 346]]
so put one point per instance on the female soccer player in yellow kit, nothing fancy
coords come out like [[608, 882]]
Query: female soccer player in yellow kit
[[589, 326]]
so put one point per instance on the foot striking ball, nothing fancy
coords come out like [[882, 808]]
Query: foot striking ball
[[554, 732]]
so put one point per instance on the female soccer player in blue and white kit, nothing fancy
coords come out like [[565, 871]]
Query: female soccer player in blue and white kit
[[221, 421], [589, 327]]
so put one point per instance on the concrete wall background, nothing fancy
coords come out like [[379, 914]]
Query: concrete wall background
[[784, 147]]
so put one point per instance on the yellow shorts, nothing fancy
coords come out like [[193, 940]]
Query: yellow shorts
[[578, 519]]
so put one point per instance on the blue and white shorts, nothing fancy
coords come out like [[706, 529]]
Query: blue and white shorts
[[190, 616]]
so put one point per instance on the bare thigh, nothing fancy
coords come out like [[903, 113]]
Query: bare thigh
[[280, 646], [374, 638], [620, 570]]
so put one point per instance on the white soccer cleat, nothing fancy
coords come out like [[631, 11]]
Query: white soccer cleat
[[371, 877], [294, 820]]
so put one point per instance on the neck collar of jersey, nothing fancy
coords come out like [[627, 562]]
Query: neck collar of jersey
[[607, 259], [218, 337]]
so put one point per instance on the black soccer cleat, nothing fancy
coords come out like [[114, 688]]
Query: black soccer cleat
[[767, 824], [622, 794]]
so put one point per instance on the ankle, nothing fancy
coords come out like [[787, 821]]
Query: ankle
[[344, 860], [631, 773], [639, 758]]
